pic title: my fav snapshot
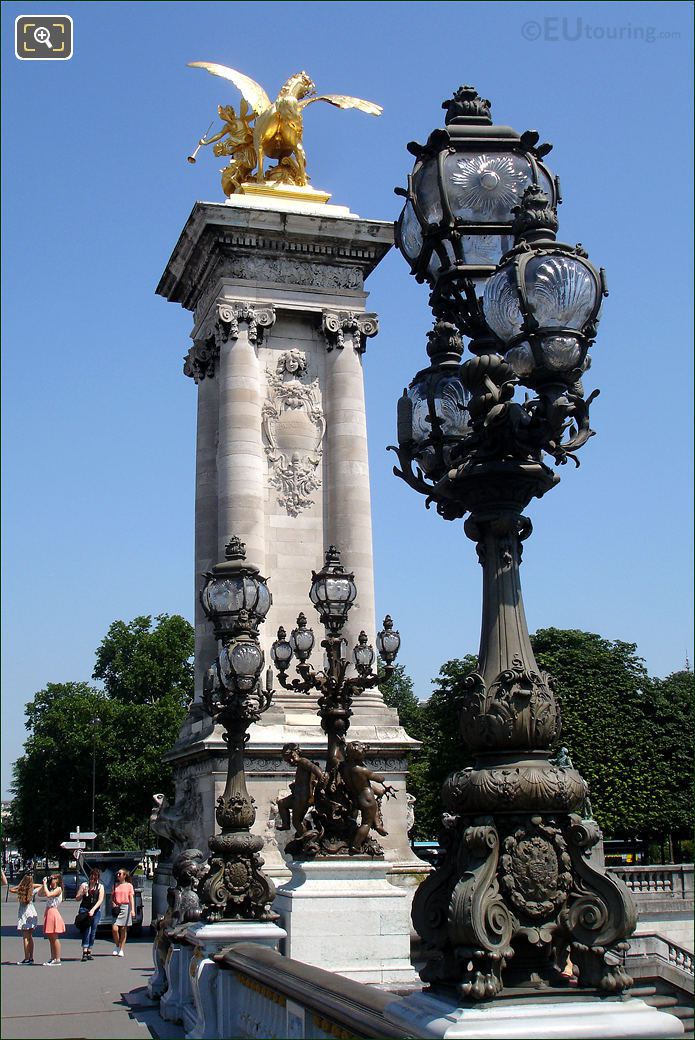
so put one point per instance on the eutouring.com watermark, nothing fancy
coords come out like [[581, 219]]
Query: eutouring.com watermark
[[576, 29]]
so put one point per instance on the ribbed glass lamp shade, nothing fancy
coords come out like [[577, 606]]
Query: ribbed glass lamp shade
[[333, 591], [281, 651], [388, 641], [363, 655], [449, 401], [560, 294], [302, 639], [240, 664]]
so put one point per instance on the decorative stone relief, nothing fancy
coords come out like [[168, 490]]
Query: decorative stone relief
[[295, 272], [335, 324], [200, 360], [293, 426]]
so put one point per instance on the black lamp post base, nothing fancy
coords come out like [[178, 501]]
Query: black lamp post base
[[236, 888], [514, 899]]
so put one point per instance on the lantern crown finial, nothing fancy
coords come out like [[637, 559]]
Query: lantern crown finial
[[333, 558], [235, 549], [444, 342], [535, 215], [466, 106]]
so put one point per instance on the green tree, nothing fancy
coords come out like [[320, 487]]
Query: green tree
[[629, 736], [435, 723], [139, 717], [139, 664], [670, 717]]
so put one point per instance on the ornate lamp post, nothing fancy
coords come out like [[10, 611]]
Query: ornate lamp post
[[236, 599], [516, 892], [347, 785]]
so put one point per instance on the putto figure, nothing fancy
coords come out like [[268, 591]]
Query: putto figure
[[295, 805], [276, 132]]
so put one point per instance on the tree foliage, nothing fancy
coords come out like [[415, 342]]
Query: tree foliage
[[435, 723], [148, 682], [139, 664], [629, 735]]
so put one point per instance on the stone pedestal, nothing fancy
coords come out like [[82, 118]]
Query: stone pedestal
[[344, 916], [422, 1015], [276, 288], [206, 940], [176, 1000]]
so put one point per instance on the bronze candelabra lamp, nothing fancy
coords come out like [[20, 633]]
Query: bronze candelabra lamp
[[340, 804], [236, 598], [517, 892]]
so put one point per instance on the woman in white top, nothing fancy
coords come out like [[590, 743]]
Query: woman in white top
[[27, 918]]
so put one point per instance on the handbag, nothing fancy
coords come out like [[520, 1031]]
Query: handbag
[[82, 921]]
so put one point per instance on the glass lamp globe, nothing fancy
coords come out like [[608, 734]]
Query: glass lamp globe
[[467, 179], [232, 587], [302, 639], [363, 655], [544, 301], [388, 641], [433, 412], [281, 651], [240, 664], [333, 591]]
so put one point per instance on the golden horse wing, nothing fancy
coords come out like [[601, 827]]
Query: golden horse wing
[[250, 90], [345, 101]]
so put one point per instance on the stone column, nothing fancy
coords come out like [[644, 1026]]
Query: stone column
[[200, 364], [240, 454], [349, 513]]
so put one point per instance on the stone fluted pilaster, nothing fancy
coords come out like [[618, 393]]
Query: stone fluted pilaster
[[349, 516], [241, 463], [206, 538]]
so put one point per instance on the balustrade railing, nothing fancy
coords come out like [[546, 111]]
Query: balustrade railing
[[671, 879]]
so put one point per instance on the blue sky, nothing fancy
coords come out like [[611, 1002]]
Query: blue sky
[[99, 422]]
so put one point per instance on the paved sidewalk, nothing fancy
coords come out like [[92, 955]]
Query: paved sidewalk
[[103, 998]]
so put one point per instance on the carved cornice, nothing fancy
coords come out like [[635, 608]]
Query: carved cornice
[[335, 324], [283, 247]]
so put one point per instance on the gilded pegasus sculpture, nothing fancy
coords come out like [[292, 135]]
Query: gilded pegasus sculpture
[[276, 132]]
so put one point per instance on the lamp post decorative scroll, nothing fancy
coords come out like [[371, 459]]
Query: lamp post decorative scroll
[[236, 598], [347, 788], [516, 892]]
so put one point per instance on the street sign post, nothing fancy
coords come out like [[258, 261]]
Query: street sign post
[[78, 835], [72, 845]]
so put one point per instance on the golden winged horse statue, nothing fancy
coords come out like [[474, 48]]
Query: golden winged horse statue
[[276, 132]]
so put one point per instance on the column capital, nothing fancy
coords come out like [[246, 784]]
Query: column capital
[[334, 325], [231, 314], [200, 360]]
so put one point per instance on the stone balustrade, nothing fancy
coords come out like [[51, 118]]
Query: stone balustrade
[[671, 879]]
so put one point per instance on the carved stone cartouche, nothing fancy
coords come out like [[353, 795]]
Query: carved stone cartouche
[[291, 408]]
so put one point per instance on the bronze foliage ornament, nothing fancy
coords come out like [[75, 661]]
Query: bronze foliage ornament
[[519, 890]]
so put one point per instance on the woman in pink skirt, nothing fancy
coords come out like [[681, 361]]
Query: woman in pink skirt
[[53, 923]]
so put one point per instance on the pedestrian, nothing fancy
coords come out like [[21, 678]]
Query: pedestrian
[[27, 918], [123, 901], [91, 893], [53, 923]]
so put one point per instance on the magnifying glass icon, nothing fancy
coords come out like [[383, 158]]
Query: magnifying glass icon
[[42, 35]]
